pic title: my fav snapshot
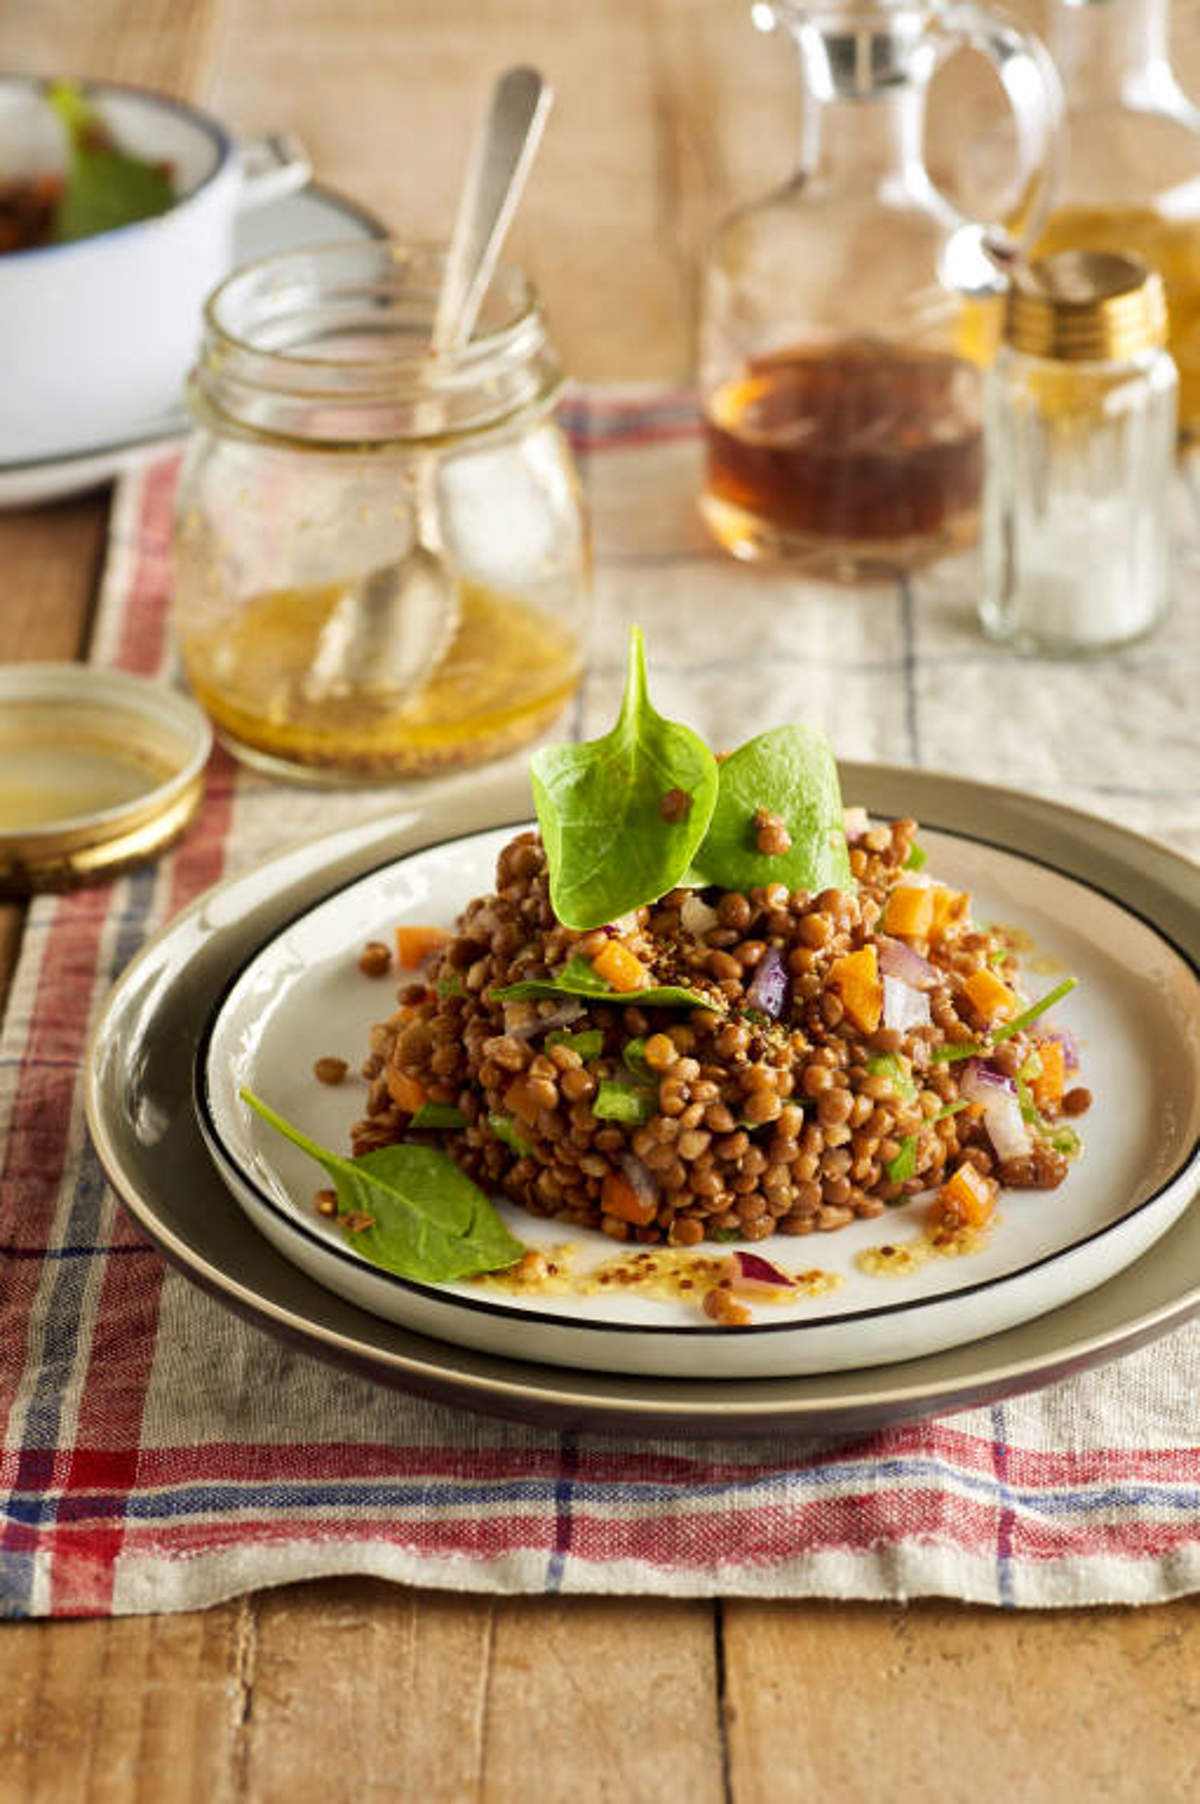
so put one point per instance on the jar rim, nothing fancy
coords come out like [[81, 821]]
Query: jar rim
[[329, 268], [333, 346]]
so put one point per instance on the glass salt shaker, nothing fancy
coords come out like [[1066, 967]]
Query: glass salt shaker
[[1080, 443]]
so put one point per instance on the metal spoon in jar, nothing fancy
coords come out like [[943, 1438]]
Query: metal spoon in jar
[[390, 630]]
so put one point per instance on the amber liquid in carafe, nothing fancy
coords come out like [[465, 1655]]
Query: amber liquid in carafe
[[1172, 247], [855, 458]]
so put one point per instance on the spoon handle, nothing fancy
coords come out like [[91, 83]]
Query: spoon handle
[[500, 159]]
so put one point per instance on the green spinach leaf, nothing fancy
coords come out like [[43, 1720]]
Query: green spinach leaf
[[414, 1211], [105, 186], [612, 839], [790, 771], [577, 978]]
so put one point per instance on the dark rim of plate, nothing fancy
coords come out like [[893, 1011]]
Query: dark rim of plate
[[513, 1312]]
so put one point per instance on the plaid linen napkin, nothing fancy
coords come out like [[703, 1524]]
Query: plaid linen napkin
[[158, 1454]]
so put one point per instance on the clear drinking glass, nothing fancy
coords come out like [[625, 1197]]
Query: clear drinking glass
[[328, 437]]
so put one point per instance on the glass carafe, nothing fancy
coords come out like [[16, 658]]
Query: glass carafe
[[846, 316], [1131, 180]]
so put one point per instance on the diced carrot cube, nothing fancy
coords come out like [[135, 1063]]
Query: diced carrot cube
[[991, 998], [909, 912], [1048, 1085], [618, 1197], [950, 906], [414, 944], [856, 979], [404, 1090], [966, 1200], [620, 967], [519, 1101]]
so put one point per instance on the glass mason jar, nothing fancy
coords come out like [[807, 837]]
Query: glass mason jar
[[337, 463], [1081, 414]]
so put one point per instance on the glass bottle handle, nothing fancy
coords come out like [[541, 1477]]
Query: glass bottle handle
[[1031, 83]]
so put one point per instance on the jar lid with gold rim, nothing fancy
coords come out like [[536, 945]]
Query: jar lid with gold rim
[[99, 770], [1086, 307]]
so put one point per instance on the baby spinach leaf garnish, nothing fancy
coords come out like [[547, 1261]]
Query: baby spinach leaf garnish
[[791, 772], [413, 1211], [506, 1130], [438, 1115], [577, 978], [633, 1057], [609, 845], [617, 1101], [105, 186]]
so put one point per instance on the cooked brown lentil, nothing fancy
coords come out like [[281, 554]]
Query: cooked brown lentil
[[374, 960], [756, 1126], [330, 1071]]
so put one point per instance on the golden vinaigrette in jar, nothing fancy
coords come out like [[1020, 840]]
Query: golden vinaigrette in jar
[[381, 558]]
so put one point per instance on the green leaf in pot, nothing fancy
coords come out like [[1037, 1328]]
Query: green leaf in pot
[[621, 817], [789, 771], [409, 1208], [105, 187]]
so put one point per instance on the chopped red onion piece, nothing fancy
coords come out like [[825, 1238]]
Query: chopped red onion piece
[[856, 822], [750, 1275], [979, 1081], [904, 1007], [983, 1083], [641, 1178], [898, 960], [697, 917], [1069, 1044], [769, 986]]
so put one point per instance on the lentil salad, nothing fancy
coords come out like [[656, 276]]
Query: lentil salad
[[842, 1051], [703, 1002]]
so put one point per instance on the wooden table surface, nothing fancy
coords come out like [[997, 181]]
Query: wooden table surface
[[665, 110]]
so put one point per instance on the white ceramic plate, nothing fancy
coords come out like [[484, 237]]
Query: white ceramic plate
[[1136, 1014], [313, 216], [139, 1078]]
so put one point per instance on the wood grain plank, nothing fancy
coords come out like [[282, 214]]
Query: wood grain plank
[[140, 1710], [443, 1698], [602, 1701], [360, 1688], [965, 1705]]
